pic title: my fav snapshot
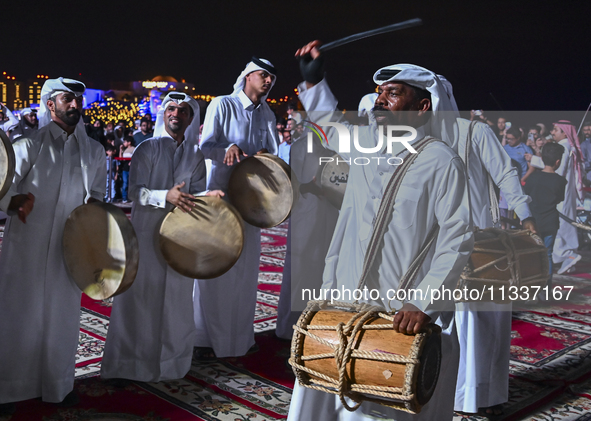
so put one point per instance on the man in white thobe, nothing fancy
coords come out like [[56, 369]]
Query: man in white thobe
[[151, 333], [567, 241], [56, 171], [235, 125], [484, 329], [7, 120], [311, 226], [28, 125], [433, 191]]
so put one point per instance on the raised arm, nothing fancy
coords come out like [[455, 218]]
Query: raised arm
[[319, 101]]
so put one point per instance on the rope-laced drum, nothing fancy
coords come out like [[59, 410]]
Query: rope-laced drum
[[7, 163], [101, 250], [503, 259], [352, 350], [332, 177], [204, 243], [263, 190]]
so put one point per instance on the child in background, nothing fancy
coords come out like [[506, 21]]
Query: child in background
[[111, 172], [126, 151], [546, 189]]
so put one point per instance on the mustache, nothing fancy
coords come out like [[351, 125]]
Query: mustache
[[72, 112], [378, 108]]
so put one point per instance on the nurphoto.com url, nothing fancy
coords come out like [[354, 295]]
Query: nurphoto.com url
[[488, 293]]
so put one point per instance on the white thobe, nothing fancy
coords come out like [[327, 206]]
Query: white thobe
[[39, 303], [484, 330], [22, 130], [225, 306], [311, 227], [567, 241], [433, 191], [151, 334], [9, 124]]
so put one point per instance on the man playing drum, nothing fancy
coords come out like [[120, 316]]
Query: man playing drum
[[152, 333], [484, 329], [56, 171], [236, 125], [432, 192]]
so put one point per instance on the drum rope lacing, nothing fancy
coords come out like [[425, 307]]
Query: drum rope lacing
[[508, 254], [343, 352]]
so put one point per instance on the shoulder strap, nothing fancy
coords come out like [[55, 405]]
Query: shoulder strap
[[382, 219], [492, 194]]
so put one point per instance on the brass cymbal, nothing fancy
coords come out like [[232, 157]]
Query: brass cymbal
[[101, 250], [7, 163], [204, 243], [262, 189]]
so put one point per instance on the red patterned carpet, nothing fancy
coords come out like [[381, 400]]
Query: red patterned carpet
[[550, 365]]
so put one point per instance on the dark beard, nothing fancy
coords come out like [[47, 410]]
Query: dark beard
[[33, 126], [70, 117], [173, 127]]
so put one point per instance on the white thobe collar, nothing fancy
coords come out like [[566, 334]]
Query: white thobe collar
[[56, 131], [246, 102]]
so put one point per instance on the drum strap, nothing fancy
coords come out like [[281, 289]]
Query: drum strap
[[492, 194], [383, 218]]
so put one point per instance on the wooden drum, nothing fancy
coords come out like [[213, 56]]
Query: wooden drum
[[358, 355], [263, 190], [101, 250], [204, 243], [333, 177], [7, 163], [502, 259]]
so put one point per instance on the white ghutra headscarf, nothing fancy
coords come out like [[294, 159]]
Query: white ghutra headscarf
[[269, 116], [55, 86], [192, 132], [253, 66], [443, 105], [186, 154]]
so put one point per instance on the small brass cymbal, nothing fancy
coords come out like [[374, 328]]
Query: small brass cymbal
[[101, 250], [263, 190], [204, 243]]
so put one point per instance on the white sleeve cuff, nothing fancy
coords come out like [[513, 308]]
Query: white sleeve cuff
[[156, 198], [522, 211]]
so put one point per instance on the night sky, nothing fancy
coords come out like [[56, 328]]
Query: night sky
[[529, 55]]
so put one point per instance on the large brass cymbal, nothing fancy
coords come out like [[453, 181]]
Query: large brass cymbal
[[101, 250], [204, 243], [7, 163], [262, 189]]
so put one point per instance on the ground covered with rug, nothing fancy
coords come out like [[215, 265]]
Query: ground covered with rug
[[550, 364]]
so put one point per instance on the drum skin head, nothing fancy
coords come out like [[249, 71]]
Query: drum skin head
[[204, 243], [101, 250], [7, 163], [428, 372], [333, 177], [261, 190]]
